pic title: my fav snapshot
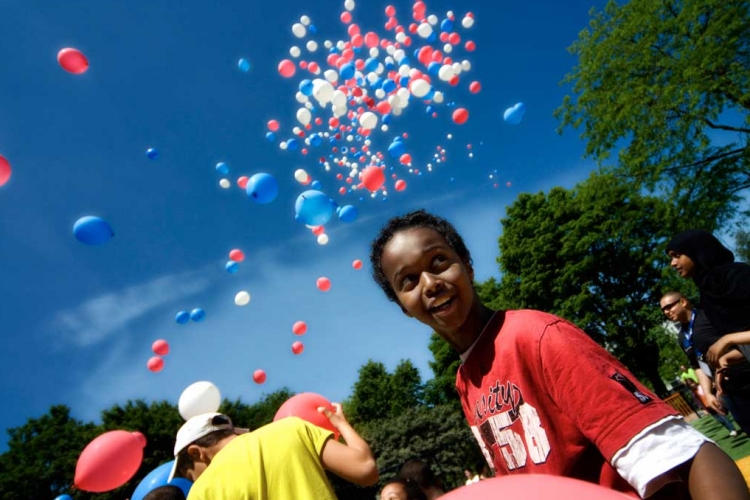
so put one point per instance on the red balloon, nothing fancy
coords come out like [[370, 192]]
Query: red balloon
[[357, 264], [400, 185], [373, 177], [390, 11], [475, 87], [460, 116], [236, 255], [318, 230], [299, 328], [305, 406], [298, 347], [242, 181], [273, 125], [73, 61], [109, 461], [259, 376], [346, 17], [5, 170], [405, 158], [470, 46], [286, 68], [155, 364], [533, 487], [323, 283], [160, 347]]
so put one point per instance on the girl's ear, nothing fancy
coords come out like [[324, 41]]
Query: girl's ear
[[469, 269]]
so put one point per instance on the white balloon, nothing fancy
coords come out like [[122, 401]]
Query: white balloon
[[294, 51], [304, 116], [400, 37], [397, 111], [467, 22], [301, 176], [305, 20], [338, 97], [445, 73], [379, 93], [466, 65], [242, 298], [299, 30], [404, 70], [312, 45], [457, 68], [424, 30], [447, 48], [197, 398], [322, 91], [384, 128], [338, 111], [322, 239], [449, 14], [399, 54], [368, 120], [450, 136], [327, 44], [403, 96], [309, 105], [420, 88], [341, 45], [349, 5], [225, 183], [432, 19], [283, 145], [301, 98], [374, 52], [331, 75]]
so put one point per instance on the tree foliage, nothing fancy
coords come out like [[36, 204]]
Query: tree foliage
[[667, 84], [742, 245]]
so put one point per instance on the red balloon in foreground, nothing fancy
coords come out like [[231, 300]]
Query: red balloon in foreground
[[73, 61], [533, 487], [373, 177], [324, 284], [155, 364], [5, 170], [460, 115], [236, 255], [299, 328], [160, 347], [109, 461], [259, 376], [357, 264], [298, 347], [305, 406]]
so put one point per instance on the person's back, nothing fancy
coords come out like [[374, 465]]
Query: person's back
[[279, 461]]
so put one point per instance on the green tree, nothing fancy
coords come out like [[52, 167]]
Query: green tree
[[257, 414], [407, 390], [666, 84], [742, 245], [370, 399], [593, 255]]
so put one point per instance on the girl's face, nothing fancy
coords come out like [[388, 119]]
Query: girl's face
[[393, 491], [683, 264]]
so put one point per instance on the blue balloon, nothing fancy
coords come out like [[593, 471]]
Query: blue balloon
[[222, 168], [371, 64], [389, 86], [64, 497], [314, 208], [347, 71], [387, 118], [315, 140], [446, 25], [182, 317], [232, 267], [396, 149], [244, 65], [292, 144], [316, 185], [271, 136], [197, 314], [152, 153], [514, 114], [348, 213], [158, 477], [92, 230], [262, 188], [306, 87], [312, 29]]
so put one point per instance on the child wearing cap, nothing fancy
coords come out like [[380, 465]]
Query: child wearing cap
[[541, 396], [286, 459]]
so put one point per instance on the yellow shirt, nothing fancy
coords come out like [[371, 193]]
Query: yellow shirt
[[279, 461]]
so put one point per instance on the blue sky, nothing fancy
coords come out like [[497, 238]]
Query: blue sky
[[78, 321]]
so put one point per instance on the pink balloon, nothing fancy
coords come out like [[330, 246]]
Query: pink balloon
[[73, 61], [109, 461], [286, 68], [305, 406], [405, 158], [298, 347], [155, 364], [299, 328], [400, 185], [160, 347], [323, 283], [236, 255], [470, 46], [533, 487], [242, 181], [373, 177], [475, 87], [259, 376], [357, 264], [5, 170], [460, 116], [273, 125]]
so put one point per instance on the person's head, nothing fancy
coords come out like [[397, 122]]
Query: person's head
[[420, 472], [691, 383], [422, 263], [695, 250], [468, 473], [401, 489], [682, 368], [166, 492], [198, 441], [676, 307]]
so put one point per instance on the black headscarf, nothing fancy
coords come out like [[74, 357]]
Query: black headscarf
[[723, 283]]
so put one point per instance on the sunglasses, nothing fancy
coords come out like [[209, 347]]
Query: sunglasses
[[670, 306]]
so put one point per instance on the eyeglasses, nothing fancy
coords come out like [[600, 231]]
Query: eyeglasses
[[670, 306]]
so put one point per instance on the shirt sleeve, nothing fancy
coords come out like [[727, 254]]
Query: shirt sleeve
[[597, 393]]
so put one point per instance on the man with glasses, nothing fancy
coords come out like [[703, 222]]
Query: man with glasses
[[696, 333]]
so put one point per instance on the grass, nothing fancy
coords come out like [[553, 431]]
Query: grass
[[736, 447]]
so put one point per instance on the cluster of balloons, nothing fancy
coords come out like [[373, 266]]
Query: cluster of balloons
[[160, 348], [196, 315]]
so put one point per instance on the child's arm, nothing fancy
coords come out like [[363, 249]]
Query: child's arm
[[711, 474], [711, 401], [352, 461], [726, 342]]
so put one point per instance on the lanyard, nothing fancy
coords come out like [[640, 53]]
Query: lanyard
[[689, 335]]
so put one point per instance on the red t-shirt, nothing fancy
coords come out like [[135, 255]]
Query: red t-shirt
[[542, 397]]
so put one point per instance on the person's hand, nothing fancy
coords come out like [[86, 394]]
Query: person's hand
[[716, 350], [714, 403], [336, 417]]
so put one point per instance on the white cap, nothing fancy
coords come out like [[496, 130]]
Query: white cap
[[197, 427]]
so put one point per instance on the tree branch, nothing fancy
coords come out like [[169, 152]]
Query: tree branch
[[725, 127]]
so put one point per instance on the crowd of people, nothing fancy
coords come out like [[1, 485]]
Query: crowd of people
[[540, 396]]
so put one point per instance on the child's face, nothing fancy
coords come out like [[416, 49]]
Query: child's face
[[393, 491], [431, 281]]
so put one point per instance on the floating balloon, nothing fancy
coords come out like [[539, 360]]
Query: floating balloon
[[299, 328], [64, 497], [182, 317], [286, 68], [323, 284], [348, 213], [197, 314], [460, 116], [236, 255], [244, 65], [232, 267], [152, 154], [475, 87], [533, 487], [373, 178], [73, 61], [92, 230], [222, 168], [242, 298], [323, 239], [259, 376], [199, 397], [400, 185], [158, 477], [155, 364], [305, 406], [514, 114], [109, 461], [273, 125], [301, 176], [262, 188], [298, 347], [314, 208], [160, 347], [5, 170], [357, 264]]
